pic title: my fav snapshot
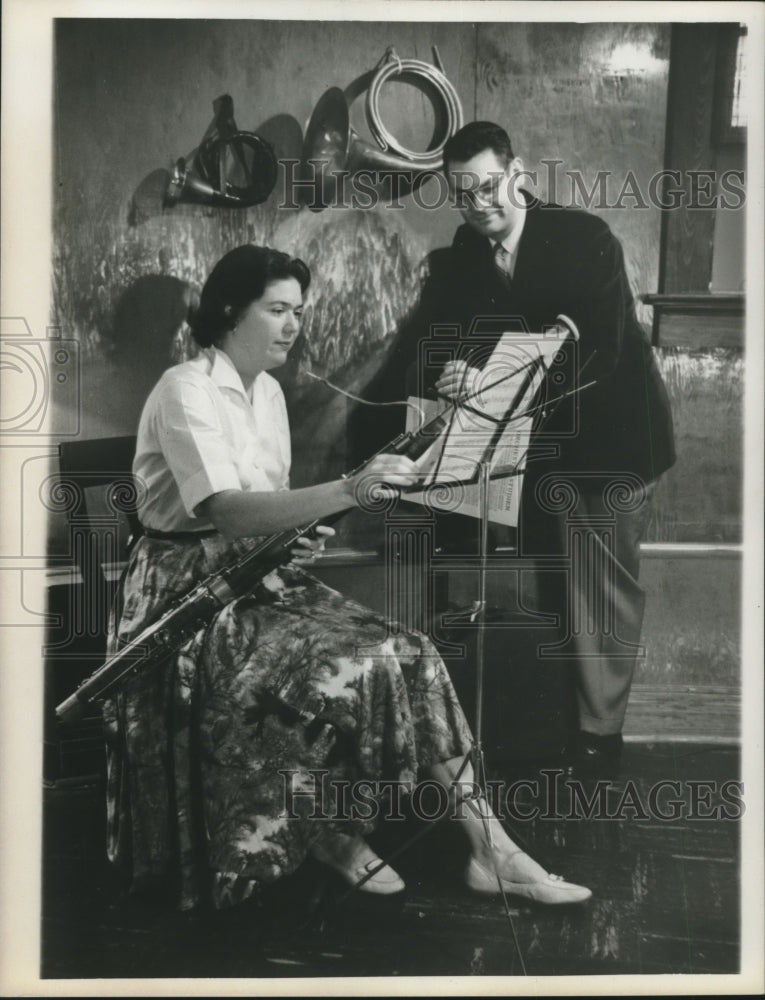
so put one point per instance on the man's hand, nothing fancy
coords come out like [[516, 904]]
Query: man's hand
[[457, 380]]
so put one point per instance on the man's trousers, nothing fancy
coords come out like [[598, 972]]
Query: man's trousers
[[583, 531]]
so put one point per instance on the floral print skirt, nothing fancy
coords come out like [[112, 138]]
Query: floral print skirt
[[212, 756]]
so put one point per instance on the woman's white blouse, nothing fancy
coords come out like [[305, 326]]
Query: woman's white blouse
[[200, 433]]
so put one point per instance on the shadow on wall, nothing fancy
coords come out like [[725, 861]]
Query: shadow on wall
[[147, 334]]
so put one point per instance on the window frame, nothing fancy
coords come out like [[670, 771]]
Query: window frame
[[724, 133]]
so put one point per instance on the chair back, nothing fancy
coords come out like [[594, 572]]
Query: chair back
[[95, 489], [101, 496]]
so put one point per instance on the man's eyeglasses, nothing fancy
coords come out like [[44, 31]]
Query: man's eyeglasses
[[469, 193]]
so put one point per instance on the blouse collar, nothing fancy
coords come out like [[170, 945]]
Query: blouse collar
[[224, 374]]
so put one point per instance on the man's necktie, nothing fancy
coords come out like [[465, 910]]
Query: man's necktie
[[503, 262]]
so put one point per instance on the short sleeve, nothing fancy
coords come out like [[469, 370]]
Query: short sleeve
[[191, 434]]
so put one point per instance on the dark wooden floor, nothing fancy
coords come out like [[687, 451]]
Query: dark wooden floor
[[666, 897]]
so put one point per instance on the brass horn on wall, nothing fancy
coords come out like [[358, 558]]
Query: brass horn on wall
[[229, 168], [332, 148]]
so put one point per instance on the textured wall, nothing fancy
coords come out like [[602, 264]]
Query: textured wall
[[131, 96], [592, 96]]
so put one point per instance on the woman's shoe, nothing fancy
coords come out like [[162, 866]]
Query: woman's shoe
[[354, 860], [541, 888]]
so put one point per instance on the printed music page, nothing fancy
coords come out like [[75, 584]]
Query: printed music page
[[492, 424]]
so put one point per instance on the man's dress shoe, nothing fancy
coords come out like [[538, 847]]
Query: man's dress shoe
[[597, 755]]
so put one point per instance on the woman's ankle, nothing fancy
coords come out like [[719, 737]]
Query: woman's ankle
[[337, 845]]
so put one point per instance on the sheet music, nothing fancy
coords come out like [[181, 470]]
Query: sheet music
[[493, 422]]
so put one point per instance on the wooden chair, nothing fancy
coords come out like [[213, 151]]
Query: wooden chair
[[96, 491]]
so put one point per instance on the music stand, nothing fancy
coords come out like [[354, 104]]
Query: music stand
[[525, 393]]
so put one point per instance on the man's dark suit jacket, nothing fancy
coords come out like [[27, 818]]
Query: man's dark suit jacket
[[568, 262]]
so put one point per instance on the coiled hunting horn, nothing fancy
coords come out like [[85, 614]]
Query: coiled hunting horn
[[332, 147]]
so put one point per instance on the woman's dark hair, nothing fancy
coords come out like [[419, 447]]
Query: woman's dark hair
[[237, 280], [474, 138]]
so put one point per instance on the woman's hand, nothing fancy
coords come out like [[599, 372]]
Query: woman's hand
[[380, 476], [457, 380], [307, 550]]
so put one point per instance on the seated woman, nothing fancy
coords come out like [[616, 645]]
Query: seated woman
[[206, 753]]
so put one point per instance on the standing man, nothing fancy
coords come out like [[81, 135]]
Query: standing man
[[596, 452]]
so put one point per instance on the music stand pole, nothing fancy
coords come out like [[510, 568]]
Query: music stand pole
[[476, 751], [484, 479]]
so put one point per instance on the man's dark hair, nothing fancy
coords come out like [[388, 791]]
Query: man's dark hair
[[474, 138]]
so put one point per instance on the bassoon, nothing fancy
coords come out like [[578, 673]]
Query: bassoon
[[186, 616]]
